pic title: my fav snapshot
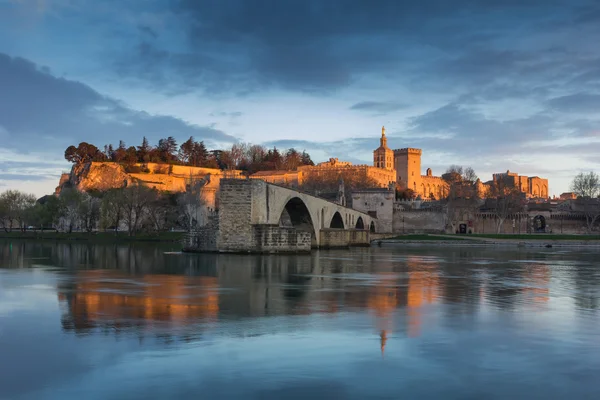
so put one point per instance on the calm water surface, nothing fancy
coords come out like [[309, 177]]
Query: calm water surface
[[144, 322]]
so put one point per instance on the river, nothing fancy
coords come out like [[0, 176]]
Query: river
[[89, 321]]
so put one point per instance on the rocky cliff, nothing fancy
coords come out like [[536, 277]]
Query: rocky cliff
[[102, 176]]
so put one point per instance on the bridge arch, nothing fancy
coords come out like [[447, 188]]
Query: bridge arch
[[296, 214], [337, 221], [359, 223]]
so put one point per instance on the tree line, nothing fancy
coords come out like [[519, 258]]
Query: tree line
[[241, 156], [136, 208]]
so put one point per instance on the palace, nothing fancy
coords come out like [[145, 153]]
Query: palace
[[400, 167], [406, 165]]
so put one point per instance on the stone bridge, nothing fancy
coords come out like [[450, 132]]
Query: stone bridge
[[256, 216]]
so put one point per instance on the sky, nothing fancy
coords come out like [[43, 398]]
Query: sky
[[496, 85]]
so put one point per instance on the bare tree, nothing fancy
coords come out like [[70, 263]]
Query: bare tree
[[162, 212], [135, 204], [587, 188], [70, 202], [589, 208], [192, 203], [507, 201], [15, 207], [586, 184], [111, 214], [462, 200], [89, 211]]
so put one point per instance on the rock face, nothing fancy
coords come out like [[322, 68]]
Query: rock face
[[102, 176], [99, 176]]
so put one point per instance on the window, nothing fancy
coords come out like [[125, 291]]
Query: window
[[382, 203]]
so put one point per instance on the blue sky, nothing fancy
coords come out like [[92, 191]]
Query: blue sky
[[495, 85]]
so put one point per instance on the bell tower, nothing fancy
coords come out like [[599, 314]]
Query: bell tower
[[383, 156]]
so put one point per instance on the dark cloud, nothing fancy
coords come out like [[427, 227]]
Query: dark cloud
[[316, 46], [39, 110], [378, 107], [579, 102]]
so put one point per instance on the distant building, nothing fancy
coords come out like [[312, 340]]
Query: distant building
[[378, 203], [568, 196], [532, 186], [402, 167]]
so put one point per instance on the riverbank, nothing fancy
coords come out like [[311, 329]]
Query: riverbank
[[94, 237], [495, 240]]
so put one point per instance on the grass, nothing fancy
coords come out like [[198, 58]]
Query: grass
[[536, 236], [474, 237], [95, 237]]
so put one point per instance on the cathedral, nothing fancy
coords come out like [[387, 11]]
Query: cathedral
[[406, 165]]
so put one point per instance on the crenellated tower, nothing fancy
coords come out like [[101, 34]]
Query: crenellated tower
[[408, 167]]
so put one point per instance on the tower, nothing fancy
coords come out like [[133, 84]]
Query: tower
[[408, 168], [383, 156]]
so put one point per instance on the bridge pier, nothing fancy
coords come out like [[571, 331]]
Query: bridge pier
[[257, 217]]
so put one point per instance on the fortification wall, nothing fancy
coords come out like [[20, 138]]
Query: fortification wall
[[417, 221]]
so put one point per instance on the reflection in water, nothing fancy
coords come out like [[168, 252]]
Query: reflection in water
[[98, 298], [406, 304]]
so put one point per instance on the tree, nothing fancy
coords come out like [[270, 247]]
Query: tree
[[120, 153], [85, 152], [70, 206], [587, 188], [111, 209], [167, 149], [506, 201], [135, 205], [192, 204], [88, 212], [15, 208], [292, 160], [586, 184], [306, 160], [143, 151], [46, 212]]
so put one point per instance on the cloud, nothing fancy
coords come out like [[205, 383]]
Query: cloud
[[42, 111], [579, 102], [378, 107], [319, 47]]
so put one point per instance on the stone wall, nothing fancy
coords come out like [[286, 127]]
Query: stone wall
[[419, 221], [338, 238], [236, 232], [377, 203], [269, 238]]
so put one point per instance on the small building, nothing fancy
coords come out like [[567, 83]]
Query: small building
[[378, 203]]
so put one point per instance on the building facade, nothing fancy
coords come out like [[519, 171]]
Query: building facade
[[534, 186], [401, 167]]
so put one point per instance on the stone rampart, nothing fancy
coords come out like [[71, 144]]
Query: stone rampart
[[411, 221]]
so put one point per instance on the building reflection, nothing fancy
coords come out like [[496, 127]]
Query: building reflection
[[100, 299], [538, 294], [139, 288], [423, 288]]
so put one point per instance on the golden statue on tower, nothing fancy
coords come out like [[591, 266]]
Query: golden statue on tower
[[383, 131]]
